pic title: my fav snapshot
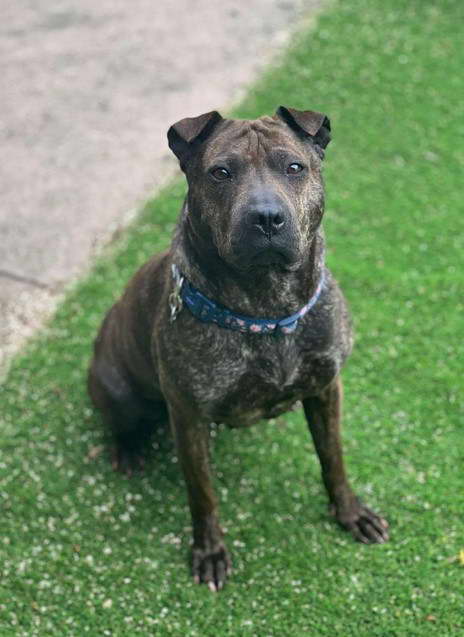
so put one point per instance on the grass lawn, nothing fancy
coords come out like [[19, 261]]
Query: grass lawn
[[86, 551]]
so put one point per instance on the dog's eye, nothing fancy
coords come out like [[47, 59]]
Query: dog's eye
[[294, 169], [220, 173]]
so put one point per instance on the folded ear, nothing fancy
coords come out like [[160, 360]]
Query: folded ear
[[185, 136], [308, 124]]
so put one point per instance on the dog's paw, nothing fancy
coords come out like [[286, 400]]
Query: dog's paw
[[126, 461], [365, 525], [211, 566]]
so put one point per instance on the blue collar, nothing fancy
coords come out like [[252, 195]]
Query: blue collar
[[208, 311]]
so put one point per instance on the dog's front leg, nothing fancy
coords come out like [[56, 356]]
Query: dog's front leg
[[323, 414], [210, 559]]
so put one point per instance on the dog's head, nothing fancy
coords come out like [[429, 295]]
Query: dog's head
[[256, 193]]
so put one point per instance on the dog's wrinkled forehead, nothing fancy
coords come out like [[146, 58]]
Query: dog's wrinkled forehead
[[252, 140], [210, 134]]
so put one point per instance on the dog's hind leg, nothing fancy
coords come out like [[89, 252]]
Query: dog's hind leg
[[129, 418]]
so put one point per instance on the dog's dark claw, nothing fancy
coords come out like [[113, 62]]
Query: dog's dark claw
[[365, 525], [211, 567], [126, 462]]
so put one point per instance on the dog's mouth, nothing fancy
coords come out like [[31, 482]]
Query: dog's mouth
[[268, 257], [279, 255], [281, 259]]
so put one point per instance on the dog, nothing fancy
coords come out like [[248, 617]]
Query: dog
[[239, 320]]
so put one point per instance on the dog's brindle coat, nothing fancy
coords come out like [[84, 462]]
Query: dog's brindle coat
[[249, 237]]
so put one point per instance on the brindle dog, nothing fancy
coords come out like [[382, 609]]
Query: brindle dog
[[250, 239]]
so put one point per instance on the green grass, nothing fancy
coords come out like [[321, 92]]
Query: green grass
[[85, 551]]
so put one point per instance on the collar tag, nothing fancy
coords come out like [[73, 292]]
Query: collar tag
[[175, 298]]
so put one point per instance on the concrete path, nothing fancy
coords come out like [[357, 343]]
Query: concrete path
[[88, 91]]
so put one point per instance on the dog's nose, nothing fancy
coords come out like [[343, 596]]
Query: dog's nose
[[266, 219]]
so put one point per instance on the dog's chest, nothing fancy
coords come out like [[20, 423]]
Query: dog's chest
[[250, 379], [238, 379]]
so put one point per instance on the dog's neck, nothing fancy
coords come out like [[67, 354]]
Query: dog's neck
[[259, 292]]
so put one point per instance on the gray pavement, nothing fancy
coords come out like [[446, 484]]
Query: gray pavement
[[88, 91]]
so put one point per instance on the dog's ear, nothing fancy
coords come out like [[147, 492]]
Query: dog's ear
[[185, 136], [308, 124]]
